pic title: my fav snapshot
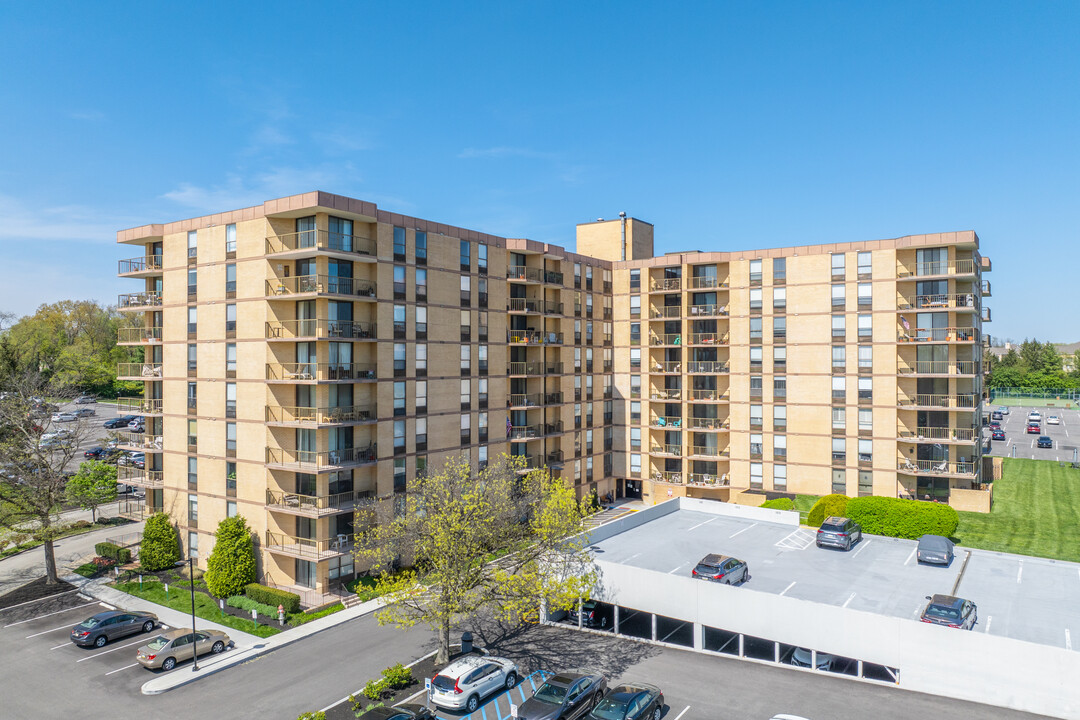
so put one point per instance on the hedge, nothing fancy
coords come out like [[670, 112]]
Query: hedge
[[245, 603], [779, 504], [825, 507], [896, 517], [160, 549], [113, 552], [273, 597]]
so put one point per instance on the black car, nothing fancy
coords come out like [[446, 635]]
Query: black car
[[935, 549], [593, 615], [398, 712], [565, 696], [101, 628], [119, 422], [1044, 441], [721, 569], [630, 702], [951, 611], [839, 532]]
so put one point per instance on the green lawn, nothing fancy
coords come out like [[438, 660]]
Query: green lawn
[[31, 544], [179, 598], [1036, 511]]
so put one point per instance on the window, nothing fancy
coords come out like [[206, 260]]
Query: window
[[755, 475], [839, 330], [230, 239], [864, 263], [635, 464], [866, 420], [230, 439], [421, 434], [466, 430], [466, 255], [420, 322], [481, 259], [755, 386], [635, 438], [230, 400], [421, 248], [588, 277], [230, 479], [399, 398], [577, 275], [192, 396], [482, 392], [192, 284], [193, 541], [399, 321], [779, 387], [465, 394], [839, 450], [755, 416], [779, 269], [577, 359], [838, 265], [866, 295], [635, 306], [482, 426], [192, 243], [635, 411], [866, 482], [230, 320], [192, 359], [755, 272], [866, 389], [755, 329], [779, 358], [193, 472], [755, 445], [779, 478], [481, 293], [421, 397], [482, 456], [192, 321], [466, 290], [866, 357], [866, 451], [230, 508], [399, 282], [635, 358], [399, 437], [466, 324], [466, 359], [866, 326], [399, 243], [193, 509], [839, 482], [635, 386], [481, 326], [779, 298], [755, 298], [839, 358], [779, 328], [779, 445], [839, 391], [839, 419], [635, 333], [421, 284], [420, 361], [755, 358], [779, 417], [230, 360], [838, 296], [635, 280], [399, 359], [230, 280]]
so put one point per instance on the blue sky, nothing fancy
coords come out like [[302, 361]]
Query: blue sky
[[726, 125]]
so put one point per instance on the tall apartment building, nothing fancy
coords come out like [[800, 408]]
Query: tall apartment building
[[312, 355]]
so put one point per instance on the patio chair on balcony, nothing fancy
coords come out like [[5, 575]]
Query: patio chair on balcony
[[910, 466], [941, 467], [340, 543], [335, 458], [292, 500]]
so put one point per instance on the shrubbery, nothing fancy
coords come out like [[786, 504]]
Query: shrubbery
[[160, 549], [316, 715], [896, 517], [306, 617], [273, 597], [393, 678], [246, 603], [827, 506], [231, 564], [113, 552], [779, 504]]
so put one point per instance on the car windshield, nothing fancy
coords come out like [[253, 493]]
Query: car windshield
[[833, 527], [443, 683], [940, 611], [550, 693], [706, 569], [157, 643], [89, 623], [609, 709]]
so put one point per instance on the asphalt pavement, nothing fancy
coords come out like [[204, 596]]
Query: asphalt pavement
[[1020, 443]]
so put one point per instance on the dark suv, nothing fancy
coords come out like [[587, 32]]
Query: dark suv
[[950, 611], [839, 532], [721, 569]]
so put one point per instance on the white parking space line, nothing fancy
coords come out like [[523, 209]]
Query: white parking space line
[[862, 545], [631, 557], [677, 569], [106, 652], [908, 561], [1020, 572], [123, 668], [848, 601], [703, 523], [56, 647], [1068, 640], [989, 619], [787, 588], [108, 606], [682, 713], [740, 532], [48, 614], [46, 632]]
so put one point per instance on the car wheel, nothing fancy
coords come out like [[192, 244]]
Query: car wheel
[[100, 641], [148, 626], [603, 622], [472, 703], [169, 664], [656, 714], [217, 647], [511, 680]]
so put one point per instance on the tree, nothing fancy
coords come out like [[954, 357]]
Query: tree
[[453, 524], [160, 549], [93, 485], [231, 564], [33, 456]]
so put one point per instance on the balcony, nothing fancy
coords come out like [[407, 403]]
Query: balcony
[[533, 337], [534, 368], [708, 338], [706, 366], [138, 509], [947, 334], [960, 435], [706, 283], [138, 335], [138, 406], [707, 424], [665, 395], [707, 311], [151, 479], [664, 449], [665, 285], [521, 273], [707, 480], [319, 330], [360, 249], [526, 432], [146, 266], [667, 311], [313, 461], [312, 285], [142, 442], [936, 268], [553, 278], [525, 400], [668, 339], [319, 372], [308, 548], [986, 288], [697, 395], [350, 415], [986, 315], [138, 371], [662, 421], [317, 506], [707, 451], [138, 301], [524, 305], [669, 368], [938, 367], [936, 402], [960, 301], [936, 467]]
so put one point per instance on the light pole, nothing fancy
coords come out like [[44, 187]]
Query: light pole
[[194, 645]]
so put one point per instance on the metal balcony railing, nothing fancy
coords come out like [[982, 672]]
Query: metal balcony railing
[[938, 267], [670, 477], [138, 406], [714, 395], [317, 505], [696, 423], [706, 366], [126, 335], [665, 284], [665, 394], [320, 285], [525, 400], [708, 338], [319, 415], [138, 510], [942, 467], [533, 337], [668, 339], [664, 449], [958, 402], [958, 300], [707, 479], [526, 432], [140, 478], [706, 283], [138, 441], [946, 334], [938, 367], [534, 368], [523, 273], [662, 421], [319, 329], [319, 240], [145, 264], [524, 305], [308, 548], [709, 451], [135, 301], [314, 460], [145, 371], [954, 434], [707, 310], [666, 367], [667, 311], [320, 371]]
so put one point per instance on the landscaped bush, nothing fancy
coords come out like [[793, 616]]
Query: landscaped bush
[[828, 506], [779, 504], [316, 715], [160, 549], [398, 676], [306, 617], [246, 603], [274, 597], [896, 517], [231, 564], [113, 552]]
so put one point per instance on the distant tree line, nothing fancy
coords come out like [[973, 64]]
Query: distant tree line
[[1037, 365]]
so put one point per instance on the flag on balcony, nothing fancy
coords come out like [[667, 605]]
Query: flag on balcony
[[509, 426], [905, 323]]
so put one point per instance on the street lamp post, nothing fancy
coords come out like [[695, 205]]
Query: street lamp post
[[194, 645]]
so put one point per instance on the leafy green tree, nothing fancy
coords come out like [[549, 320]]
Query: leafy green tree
[[93, 485], [231, 564], [160, 549], [1011, 358], [452, 525]]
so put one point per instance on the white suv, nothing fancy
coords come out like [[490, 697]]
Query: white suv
[[463, 683]]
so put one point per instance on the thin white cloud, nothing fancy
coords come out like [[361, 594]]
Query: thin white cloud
[[502, 152], [237, 192], [88, 115], [25, 221]]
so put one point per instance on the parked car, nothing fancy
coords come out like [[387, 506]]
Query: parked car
[[462, 684], [995, 425], [119, 422], [565, 696], [105, 454], [801, 657], [84, 412], [630, 702], [63, 417], [839, 532], [593, 615], [996, 416], [1053, 420], [137, 425], [721, 569], [1044, 441], [56, 438], [99, 629], [934, 549], [407, 711], [951, 611], [85, 400], [174, 646], [1034, 416], [133, 459], [1034, 428], [1004, 409], [998, 434]]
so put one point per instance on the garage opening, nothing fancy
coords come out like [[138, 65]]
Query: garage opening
[[672, 630], [720, 641], [759, 648], [635, 623]]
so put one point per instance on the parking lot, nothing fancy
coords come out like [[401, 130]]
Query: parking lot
[[1018, 597], [1018, 443]]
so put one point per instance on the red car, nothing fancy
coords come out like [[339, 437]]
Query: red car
[[1034, 429]]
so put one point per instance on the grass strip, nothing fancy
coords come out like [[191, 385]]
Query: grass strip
[[179, 599]]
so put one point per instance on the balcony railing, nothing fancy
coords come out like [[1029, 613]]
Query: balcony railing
[[664, 449], [138, 406], [308, 548], [959, 402], [665, 285], [986, 288], [533, 337], [527, 432], [665, 394], [292, 372], [708, 479], [148, 263], [139, 441], [319, 415], [319, 240], [707, 310], [136, 301], [708, 338], [668, 476], [311, 459], [696, 423], [140, 478], [525, 399], [320, 329], [666, 367], [937, 267], [668, 339], [667, 311], [953, 434], [706, 366], [947, 334], [706, 283], [146, 371], [709, 451], [127, 335], [534, 368], [938, 367], [710, 395], [526, 305], [138, 510], [320, 285], [317, 505], [958, 300], [663, 421], [555, 278], [523, 273], [942, 467]]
